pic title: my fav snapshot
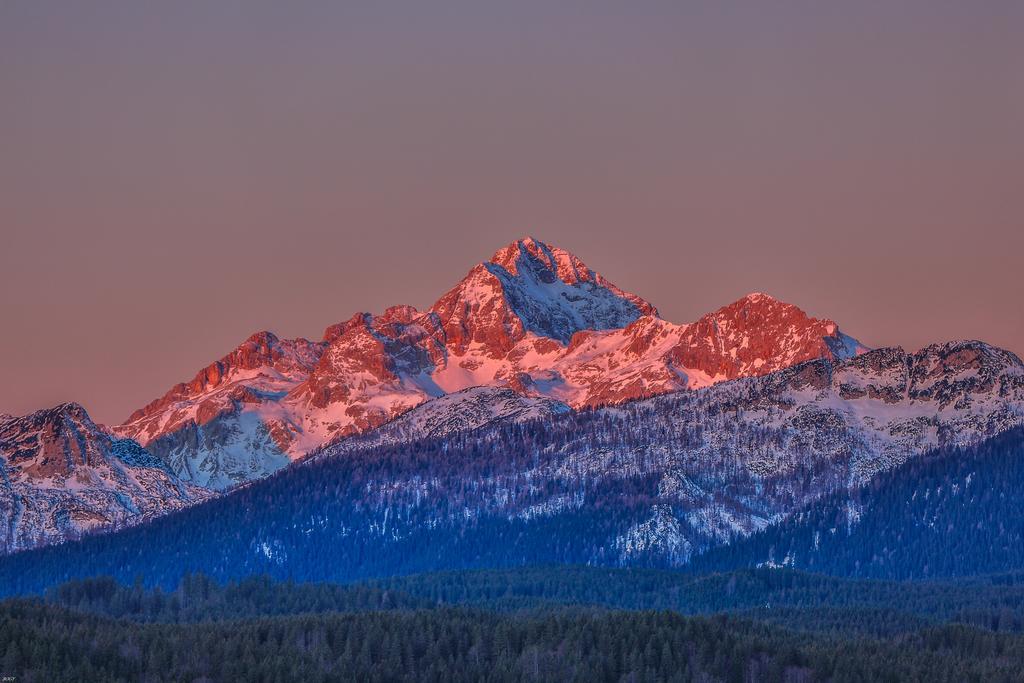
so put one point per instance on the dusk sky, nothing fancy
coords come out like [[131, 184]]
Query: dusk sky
[[176, 176]]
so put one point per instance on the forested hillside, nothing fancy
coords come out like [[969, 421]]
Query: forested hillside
[[514, 625], [651, 483], [956, 512], [795, 599]]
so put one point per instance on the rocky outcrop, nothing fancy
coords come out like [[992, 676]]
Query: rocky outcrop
[[62, 476]]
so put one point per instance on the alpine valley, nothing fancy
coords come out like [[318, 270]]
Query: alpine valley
[[535, 414]]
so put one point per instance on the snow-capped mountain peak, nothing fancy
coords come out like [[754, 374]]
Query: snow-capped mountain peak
[[758, 334], [530, 287], [534, 319], [543, 261]]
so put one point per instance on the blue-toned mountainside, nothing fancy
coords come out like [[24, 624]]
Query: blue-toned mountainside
[[654, 482], [529, 333], [958, 511]]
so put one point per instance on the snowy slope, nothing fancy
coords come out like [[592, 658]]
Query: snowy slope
[[675, 474], [504, 477], [459, 411], [61, 475]]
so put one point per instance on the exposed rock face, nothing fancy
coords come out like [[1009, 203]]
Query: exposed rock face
[[61, 475], [529, 287], [886, 405], [758, 335], [534, 319], [262, 364]]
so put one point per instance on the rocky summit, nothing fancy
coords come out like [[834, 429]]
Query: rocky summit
[[534, 319]]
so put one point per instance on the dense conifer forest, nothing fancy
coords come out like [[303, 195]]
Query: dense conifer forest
[[541, 624], [796, 599], [953, 512]]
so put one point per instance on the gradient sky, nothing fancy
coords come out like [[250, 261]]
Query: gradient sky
[[175, 176]]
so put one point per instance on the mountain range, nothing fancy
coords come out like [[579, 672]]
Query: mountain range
[[534, 318], [535, 413]]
